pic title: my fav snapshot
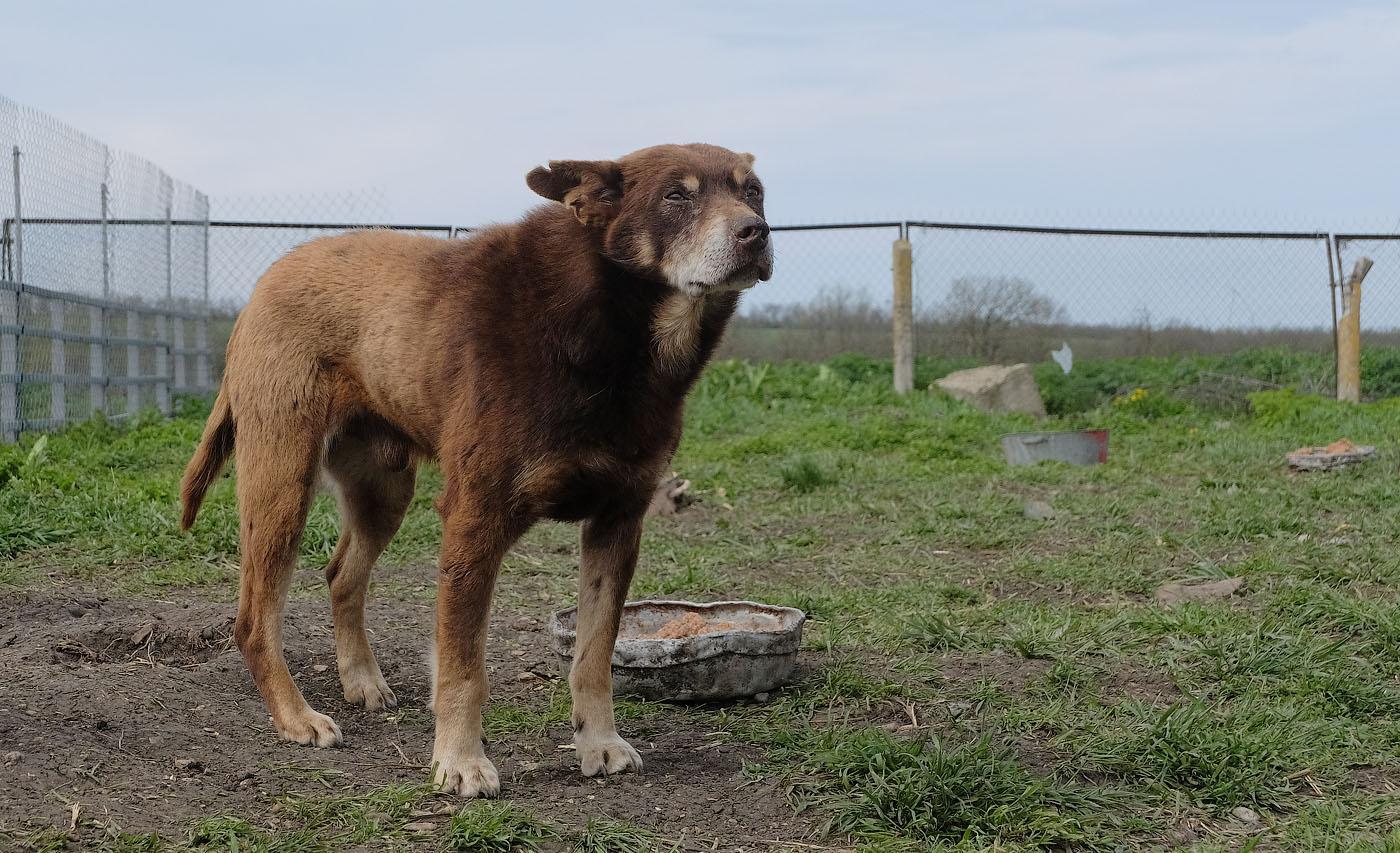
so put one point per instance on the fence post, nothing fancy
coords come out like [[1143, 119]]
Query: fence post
[[10, 327], [169, 259], [903, 310], [97, 363], [161, 321], [201, 325], [178, 353], [133, 362], [162, 368], [1349, 335], [58, 365], [9, 363], [97, 319], [1332, 292]]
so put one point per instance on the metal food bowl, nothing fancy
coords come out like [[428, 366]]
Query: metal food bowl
[[687, 652], [1081, 447]]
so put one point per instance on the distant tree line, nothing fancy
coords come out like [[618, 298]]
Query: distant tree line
[[989, 319]]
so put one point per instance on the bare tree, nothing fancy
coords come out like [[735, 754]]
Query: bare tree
[[983, 312], [1142, 329]]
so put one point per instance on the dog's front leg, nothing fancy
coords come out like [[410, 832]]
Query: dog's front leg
[[473, 545], [608, 560]]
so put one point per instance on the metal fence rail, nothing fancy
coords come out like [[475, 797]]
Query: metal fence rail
[[1117, 291]]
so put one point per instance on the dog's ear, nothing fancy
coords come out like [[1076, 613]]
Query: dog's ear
[[591, 188]]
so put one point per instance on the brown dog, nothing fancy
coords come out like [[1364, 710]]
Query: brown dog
[[543, 364]]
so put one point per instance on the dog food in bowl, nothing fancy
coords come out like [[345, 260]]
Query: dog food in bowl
[[687, 652]]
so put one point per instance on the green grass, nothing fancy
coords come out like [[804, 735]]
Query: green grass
[[1057, 704], [486, 827], [604, 835], [381, 818], [873, 786], [805, 475]]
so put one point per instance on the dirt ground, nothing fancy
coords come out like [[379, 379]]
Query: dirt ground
[[140, 712]]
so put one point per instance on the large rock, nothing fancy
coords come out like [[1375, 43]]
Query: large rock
[[996, 388]]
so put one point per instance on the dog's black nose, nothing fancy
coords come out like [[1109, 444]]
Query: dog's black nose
[[752, 233]]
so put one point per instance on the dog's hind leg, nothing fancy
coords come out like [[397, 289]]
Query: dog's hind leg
[[278, 457], [373, 498], [609, 557]]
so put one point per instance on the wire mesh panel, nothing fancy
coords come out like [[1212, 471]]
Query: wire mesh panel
[[251, 234], [188, 290], [50, 171], [1010, 293], [1380, 292], [101, 256], [830, 293]]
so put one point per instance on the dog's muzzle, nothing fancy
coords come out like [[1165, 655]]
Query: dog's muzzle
[[752, 236]]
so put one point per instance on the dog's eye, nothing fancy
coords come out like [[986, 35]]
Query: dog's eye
[[676, 195], [753, 191]]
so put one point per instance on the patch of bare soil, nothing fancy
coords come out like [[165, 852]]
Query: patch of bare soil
[[141, 712], [1011, 673], [1148, 686]]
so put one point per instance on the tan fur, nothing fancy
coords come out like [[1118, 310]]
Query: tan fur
[[642, 251], [676, 329]]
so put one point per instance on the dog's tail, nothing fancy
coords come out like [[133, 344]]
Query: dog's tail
[[215, 447]]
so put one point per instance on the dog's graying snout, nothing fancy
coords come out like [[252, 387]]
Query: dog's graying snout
[[752, 233]]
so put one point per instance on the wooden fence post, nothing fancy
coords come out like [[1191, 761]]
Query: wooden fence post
[[1349, 335], [903, 309]]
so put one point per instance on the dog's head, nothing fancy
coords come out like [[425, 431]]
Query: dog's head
[[689, 215]]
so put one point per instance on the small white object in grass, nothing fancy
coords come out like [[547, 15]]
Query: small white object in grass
[[1063, 356]]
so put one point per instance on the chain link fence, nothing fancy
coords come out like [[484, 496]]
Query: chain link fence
[[103, 279], [118, 290], [830, 293], [251, 233], [1013, 292], [1380, 306], [1108, 292]]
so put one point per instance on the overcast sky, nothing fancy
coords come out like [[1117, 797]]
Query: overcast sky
[[1192, 114]]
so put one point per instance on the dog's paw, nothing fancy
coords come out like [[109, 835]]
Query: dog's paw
[[468, 777], [607, 754], [311, 729], [368, 689]]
